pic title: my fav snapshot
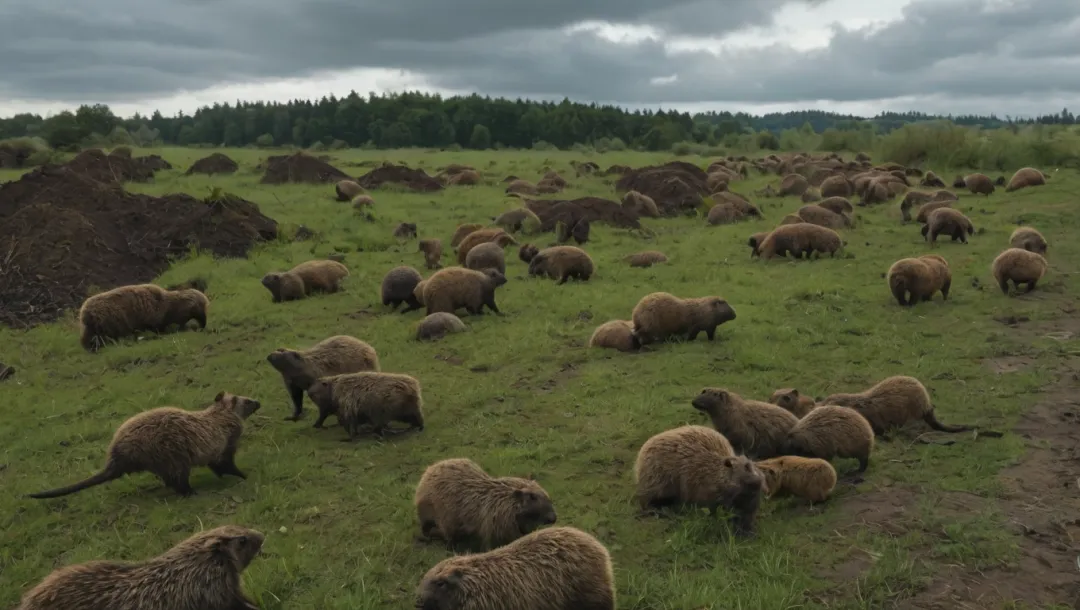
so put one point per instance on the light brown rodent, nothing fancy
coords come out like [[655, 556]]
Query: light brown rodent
[[1029, 239], [486, 256], [457, 287], [758, 429], [914, 280], [438, 325], [346, 190], [792, 401], [461, 504], [979, 184], [830, 431], [305, 279], [128, 310], [793, 185], [837, 186], [555, 568], [894, 401], [723, 213], [661, 315], [800, 239], [202, 571], [817, 215], [562, 263], [947, 221], [923, 215], [615, 334], [648, 258], [517, 220], [432, 249], [169, 442], [368, 398], [791, 219], [811, 479], [695, 465], [480, 236], [837, 205], [362, 201], [1024, 178], [332, 356], [1018, 266], [642, 204], [462, 231], [755, 242]]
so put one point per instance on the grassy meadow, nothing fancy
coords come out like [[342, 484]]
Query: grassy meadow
[[521, 394]]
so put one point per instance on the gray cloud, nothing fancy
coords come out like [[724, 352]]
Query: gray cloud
[[120, 50]]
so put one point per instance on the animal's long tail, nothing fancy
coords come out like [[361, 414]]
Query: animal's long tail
[[106, 475], [933, 422]]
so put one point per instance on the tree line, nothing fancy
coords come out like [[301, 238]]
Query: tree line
[[477, 122]]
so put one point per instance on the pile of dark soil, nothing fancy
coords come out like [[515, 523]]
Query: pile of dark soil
[[676, 187], [63, 233], [97, 165], [153, 162], [415, 179], [216, 163], [299, 167], [593, 209]]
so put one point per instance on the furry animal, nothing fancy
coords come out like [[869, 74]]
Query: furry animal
[[332, 356], [527, 252], [648, 258], [1024, 178], [913, 280], [169, 442], [800, 239], [837, 186], [755, 242], [758, 429], [580, 232], [432, 249], [438, 325], [793, 185], [791, 400], [562, 263], [809, 478], [1018, 266], [405, 230], [642, 204], [947, 221], [931, 180], [480, 236], [462, 231], [129, 310], [360, 202], [457, 287], [817, 215], [347, 190], [368, 398], [615, 334], [923, 215], [979, 184], [723, 213], [661, 315], [828, 432], [305, 279], [1029, 239], [894, 401], [486, 256], [837, 205], [517, 220], [397, 288]]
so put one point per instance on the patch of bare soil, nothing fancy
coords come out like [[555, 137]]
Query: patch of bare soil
[[299, 167]]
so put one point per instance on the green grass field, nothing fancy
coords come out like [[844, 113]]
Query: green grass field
[[521, 394]]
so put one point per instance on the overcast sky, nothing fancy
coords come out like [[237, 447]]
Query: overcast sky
[[1018, 57]]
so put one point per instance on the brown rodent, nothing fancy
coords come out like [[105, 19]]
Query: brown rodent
[[1029, 239], [397, 288], [305, 279], [562, 263], [615, 334], [368, 398], [758, 429], [438, 325], [661, 315], [432, 249], [830, 431], [800, 239], [1018, 266], [457, 287], [914, 280], [794, 402], [648, 258], [461, 231], [812, 479], [894, 401], [332, 356], [128, 310], [481, 236], [947, 221], [486, 256]]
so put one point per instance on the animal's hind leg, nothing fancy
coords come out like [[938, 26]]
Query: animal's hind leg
[[179, 481], [297, 395], [1030, 286]]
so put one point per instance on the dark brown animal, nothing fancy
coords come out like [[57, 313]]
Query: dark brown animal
[[947, 221], [562, 263], [462, 231], [800, 239], [931, 180], [891, 402], [758, 429], [405, 230], [755, 242], [1025, 178], [923, 215], [829, 432], [1029, 239], [1018, 266], [332, 356], [914, 280], [517, 220], [580, 232], [527, 252], [397, 288], [979, 184], [432, 249], [488, 255], [823, 217], [129, 310], [305, 279], [371, 398], [457, 287], [482, 236], [661, 315], [837, 186], [837, 205]]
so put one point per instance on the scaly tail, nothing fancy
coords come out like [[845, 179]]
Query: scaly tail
[[932, 421], [109, 474]]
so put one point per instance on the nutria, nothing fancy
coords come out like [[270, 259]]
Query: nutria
[[1029, 239], [202, 571], [305, 279], [810, 196], [362, 201], [1020, 267], [800, 239], [418, 292], [830, 431], [877, 191], [432, 249], [794, 402], [837, 205], [812, 479], [438, 325], [755, 242], [346, 190], [555, 568], [837, 186], [648, 258], [487, 255], [517, 220], [894, 401], [562, 263], [527, 252], [462, 231], [397, 288], [128, 310], [696, 466], [1024, 178], [979, 184], [405, 230], [615, 334], [661, 315], [923, 215], [723, 213], [791, 219], [931, 180], [758, 429], [742, 206], [793, 185], [457, 287], [480, 236], [822, 217], [947, 221], [331, 356], [460, 503], [915, 280], [368, 398], [642, 204], [169, 442]]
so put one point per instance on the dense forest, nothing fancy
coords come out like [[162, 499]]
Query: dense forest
[[417, 119]]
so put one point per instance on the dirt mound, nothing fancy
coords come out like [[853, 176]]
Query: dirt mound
[[63, 234], [153, 162], [299, 167], [676, 187], [593, 209], [415, 179], [96, 165], [216, 163]]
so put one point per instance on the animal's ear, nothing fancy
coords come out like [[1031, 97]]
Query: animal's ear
[[518, 494], [729, 462], [454, 578], [794, 393], [219, 397]]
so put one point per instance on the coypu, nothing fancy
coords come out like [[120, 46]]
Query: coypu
[[438, 325], [368, 398], [486, 256], [128, 310], [647, 258], [758, 429], [792, 401], [1020, 267], [1024, 178], [457, 287], [305, 279], [615, 334], [812, 479], [832, 431], [661, 315], [331, 356], [405, 230], [1029, 239], [527, 252], [894, 401], [947, 221], [912, 280], [461, 231], [562, 263], [432, 249], [398, 286], [979, 184], [800, 239]]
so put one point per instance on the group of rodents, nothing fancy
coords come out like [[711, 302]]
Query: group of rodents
[[754, 448]]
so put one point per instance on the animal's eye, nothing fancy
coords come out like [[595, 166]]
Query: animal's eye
[[242, 539]]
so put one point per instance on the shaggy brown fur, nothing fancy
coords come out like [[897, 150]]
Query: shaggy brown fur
[[346, 190], [1029, 239], [837, 186], [362, 201], [791, 219], [397, 288], [756, 428], [527, 252], [1024, 178], [517, 220], [460, 503], [810, 196], [923, 215], [830, 431], [555, 568], [457, 287], [817, 215], [811, 479], [755, 242], [891, 402], [128, 310], [368, 398], [877, 191], [793, 185], [169, 442], [642, 204], [462, 231], [405, 230], [800, 239], [202, 571], [947, 221], [432, 249], [332, 356], [979, 184], [740, 203], [467, 177], [931, 180], [791, 400], [648, 258], [486, 256], [694, 465], [615, 334], [837, 205], [580, 232], [1018, 266], [722, 214], [915, 280], [660, 315], [438, 325], [305, 279], [483, 236], [562, 263], [418, 292]]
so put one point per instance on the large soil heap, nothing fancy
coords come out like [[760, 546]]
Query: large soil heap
[[97, 165], [63, 233], [415, 179], [216, 163], [299, 167], [593, 209], [676, 187]]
